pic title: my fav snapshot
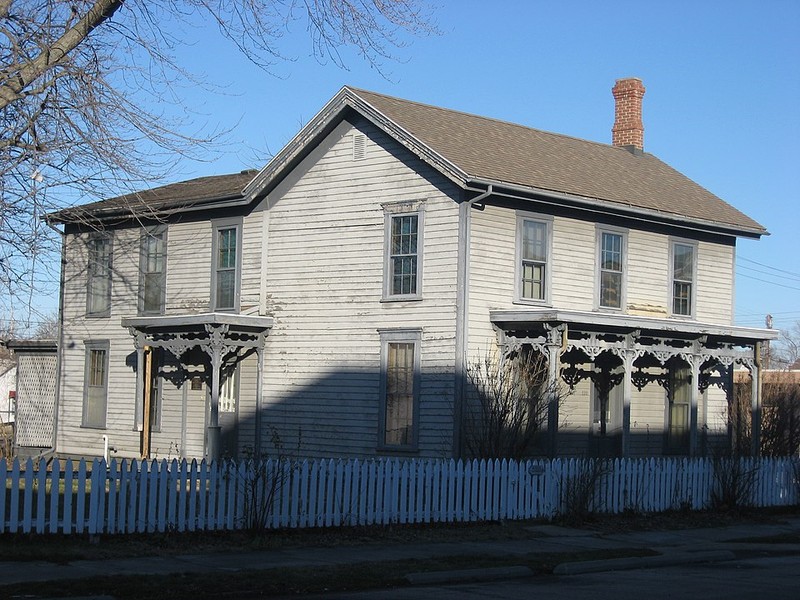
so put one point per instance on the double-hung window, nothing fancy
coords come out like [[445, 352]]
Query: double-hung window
[[403, 270], [98, 296], [683, 261], [95, 385], [153, 271], [533, 253], [399, 389], [226, 265], [612, 269]]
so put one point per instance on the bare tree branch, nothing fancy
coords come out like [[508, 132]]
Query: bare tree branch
[[89, 90]]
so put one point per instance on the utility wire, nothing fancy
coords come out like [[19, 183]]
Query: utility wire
[[797, 275], [789, 287]]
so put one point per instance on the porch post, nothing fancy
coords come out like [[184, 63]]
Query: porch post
[[755, 401], [555, 339], [138, 343], [213, 434], [694, 363], [259, 395], [628, 356]]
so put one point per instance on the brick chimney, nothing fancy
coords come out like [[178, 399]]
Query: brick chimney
[[628, 131]]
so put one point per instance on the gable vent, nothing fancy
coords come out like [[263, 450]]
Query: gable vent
[[359, 146]]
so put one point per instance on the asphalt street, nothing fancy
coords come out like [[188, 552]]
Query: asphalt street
[[765, 578]]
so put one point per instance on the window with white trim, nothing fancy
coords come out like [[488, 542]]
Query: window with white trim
[[98, 296], [95, 384], [403, 279], [226, 265], [399, 389], [683, 267], [612, 269], [533, 255]]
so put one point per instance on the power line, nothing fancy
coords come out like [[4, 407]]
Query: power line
[[789, 287], [768, 274], [797, 275]]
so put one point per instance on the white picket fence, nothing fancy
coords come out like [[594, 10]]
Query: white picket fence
[[139, 497]]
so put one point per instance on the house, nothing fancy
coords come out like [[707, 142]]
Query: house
[[332, 302]]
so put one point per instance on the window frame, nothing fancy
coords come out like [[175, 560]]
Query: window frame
[[391, 212], [399, 336], [143, 262], [91, 346], [219, 225], [91, 278], [547, 221], [673, 243], [623, 234]]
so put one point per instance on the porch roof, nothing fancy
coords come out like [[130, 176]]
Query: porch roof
[[249, 323], [618, 323]]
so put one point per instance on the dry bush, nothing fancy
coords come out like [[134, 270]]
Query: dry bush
[[507, 405]]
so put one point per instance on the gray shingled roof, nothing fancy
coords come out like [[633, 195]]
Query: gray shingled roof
[[488, 149], [480, 149]]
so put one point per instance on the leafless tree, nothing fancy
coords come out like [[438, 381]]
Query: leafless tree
[[507, 404], [88, 87], [780, 415], [786, 351]]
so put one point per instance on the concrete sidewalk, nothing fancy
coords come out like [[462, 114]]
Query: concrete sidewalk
[[690, 545]]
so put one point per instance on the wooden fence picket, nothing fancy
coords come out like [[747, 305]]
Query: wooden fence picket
[[149, 496]]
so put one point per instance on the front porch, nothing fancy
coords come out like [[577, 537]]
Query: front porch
[[660, 369], [205, 350]]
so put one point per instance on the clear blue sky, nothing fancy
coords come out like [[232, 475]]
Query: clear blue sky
[[722, 103]]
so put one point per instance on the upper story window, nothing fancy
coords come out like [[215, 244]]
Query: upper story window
[[533, 255], [98, 297], [153, 271], [403, 271], [612, 269], [683, 268], [226, 274]]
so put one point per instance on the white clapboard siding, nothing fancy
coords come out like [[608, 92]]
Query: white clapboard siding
[[715, 264], [157, 496], [324, 284]]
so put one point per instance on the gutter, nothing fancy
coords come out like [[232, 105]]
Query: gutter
[[614, 209], [230, 201]]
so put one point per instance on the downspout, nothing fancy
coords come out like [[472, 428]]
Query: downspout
[[462, 314]]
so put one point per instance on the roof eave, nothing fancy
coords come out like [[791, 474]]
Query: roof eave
[[607, 206], [105, 215]]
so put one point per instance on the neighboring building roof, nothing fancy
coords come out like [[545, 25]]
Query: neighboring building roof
[[43, 345], [475, 152]]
